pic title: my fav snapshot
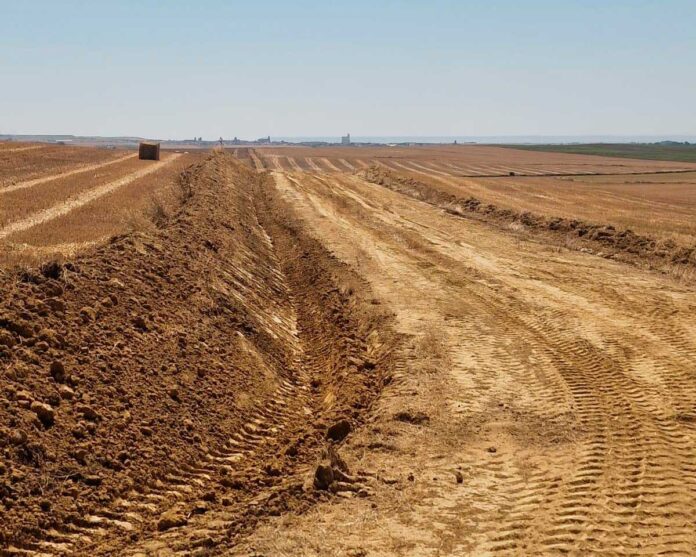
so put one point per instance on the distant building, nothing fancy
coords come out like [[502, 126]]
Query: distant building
[[345, 140], [264, 140]]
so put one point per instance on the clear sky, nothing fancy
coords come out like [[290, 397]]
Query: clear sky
[[175, 69]]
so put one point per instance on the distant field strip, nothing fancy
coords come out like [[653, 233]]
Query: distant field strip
[[293, 163], [312, 164], [345, 163], [18, 149], [258, 163], [274, 161], [330, 165], [44, 179], [428, 168], [80, 200]]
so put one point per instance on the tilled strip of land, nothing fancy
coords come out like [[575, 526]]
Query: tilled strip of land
[[127, 207], [22, 168], [603, 238], [544, 403], [167, 390], [81, 199]]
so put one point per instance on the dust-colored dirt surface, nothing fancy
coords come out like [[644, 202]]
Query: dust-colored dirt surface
[[165, 391], [334, 358], [657, 204], [604, 239], [112, 213], [544, 402]]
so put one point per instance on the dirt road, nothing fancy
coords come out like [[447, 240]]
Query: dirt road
[[546, 399]]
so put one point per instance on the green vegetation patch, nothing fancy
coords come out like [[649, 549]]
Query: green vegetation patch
[[665, 151]]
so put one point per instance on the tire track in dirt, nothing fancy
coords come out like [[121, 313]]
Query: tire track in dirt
[[290, 286], [79, 170], [563, 362], [82, 199]]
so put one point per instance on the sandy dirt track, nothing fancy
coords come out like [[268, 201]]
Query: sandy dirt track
[[545, 403]]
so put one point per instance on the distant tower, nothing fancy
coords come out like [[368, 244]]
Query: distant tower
[[345, 140]]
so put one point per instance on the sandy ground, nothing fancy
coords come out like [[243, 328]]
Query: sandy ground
[[545, 401]]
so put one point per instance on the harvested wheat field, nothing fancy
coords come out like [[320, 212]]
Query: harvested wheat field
[[347, 352], [457, 161]]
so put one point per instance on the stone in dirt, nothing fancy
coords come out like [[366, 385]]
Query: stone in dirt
[[58, 371], [171, 519], [339, 431], [44, 412], [88, 412], [18, 437], [7, 339], [66, 392], [20, 327], [411, 417], [93, 480], [88, 314], [56, 305], [323, 476], [330, 470]]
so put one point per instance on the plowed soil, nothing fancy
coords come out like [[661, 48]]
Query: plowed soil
[[345, 356], [190, 371]]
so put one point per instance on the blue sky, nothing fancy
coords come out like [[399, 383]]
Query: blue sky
[[211, 68]]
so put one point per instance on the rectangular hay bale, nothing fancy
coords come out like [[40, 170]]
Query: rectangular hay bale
[[149, 151]]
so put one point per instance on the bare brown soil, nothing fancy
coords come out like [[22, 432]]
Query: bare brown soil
[[62, 216], [655, 204], [165, 390], [364, 352], [115, 212], [20, 203]]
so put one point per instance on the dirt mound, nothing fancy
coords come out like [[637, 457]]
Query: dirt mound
[[135, 376], [604, 237]]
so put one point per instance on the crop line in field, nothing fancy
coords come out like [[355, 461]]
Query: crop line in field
[[44, 179], [71, 204], [330, 165]]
